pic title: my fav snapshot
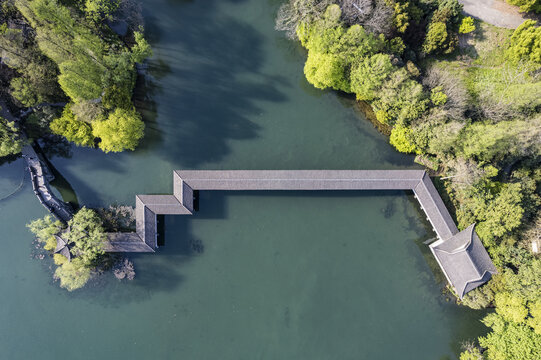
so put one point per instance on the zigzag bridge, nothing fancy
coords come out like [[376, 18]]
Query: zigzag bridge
[[461, 255]]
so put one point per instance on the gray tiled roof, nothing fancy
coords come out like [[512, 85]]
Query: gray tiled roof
[[464, 260]]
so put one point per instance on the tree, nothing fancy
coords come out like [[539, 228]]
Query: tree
[[509, 340], [87, 235], [437, 96], [376, 16], [93, 70], [81, 79], [10, 139], [502, 142], [141, 50], [401, 98], [437, 39], [122, 130], [73, 275], [45, 229], [368, 77], [79, 132], [496, 208], [511, 307], [86, 238], [325, 71]]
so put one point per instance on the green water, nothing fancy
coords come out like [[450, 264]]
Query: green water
[[263, 275]]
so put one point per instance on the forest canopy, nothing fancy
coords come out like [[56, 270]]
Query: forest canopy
[[72, 55]]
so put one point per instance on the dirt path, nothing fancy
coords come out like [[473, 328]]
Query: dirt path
[[495, 12]]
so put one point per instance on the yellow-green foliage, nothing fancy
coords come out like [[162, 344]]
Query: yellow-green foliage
[[121, 131], [325, 71], [473, 354], [437, 38], [59, 259], [351, 60], [467, 25], [50, 244], [45, 228], [367, 78], [73, 275], [401, 98], [535, 316], [526, 43], [65, 39], [87, 235], [100, 10], [511, 308], [333, 49], [402, 139], [72, 129], [383, 117], [437, 96], [510, 340], [486, 142], [527, 5], [401, 17]]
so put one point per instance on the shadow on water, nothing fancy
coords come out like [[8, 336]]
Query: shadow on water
[[214, 84]]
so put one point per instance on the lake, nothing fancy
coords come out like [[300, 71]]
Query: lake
[[252, 275]]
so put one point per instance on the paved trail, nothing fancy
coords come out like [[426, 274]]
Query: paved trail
[[495, 12]]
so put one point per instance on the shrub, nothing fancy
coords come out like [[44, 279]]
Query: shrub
[[527, 5], [466, 26], [525, 43], [437, 96]]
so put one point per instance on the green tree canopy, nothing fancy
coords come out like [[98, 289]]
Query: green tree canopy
[[122, 130], [73, 275], [509, 340], [79, 132], [45, 229], [525, 43], [368, 77], [10, 139], [87, 235]]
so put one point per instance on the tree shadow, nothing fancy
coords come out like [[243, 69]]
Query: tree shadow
[[215, 82]]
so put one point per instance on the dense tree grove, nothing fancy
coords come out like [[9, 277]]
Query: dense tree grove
[[85, 237], [71, 55], [469, 108]]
